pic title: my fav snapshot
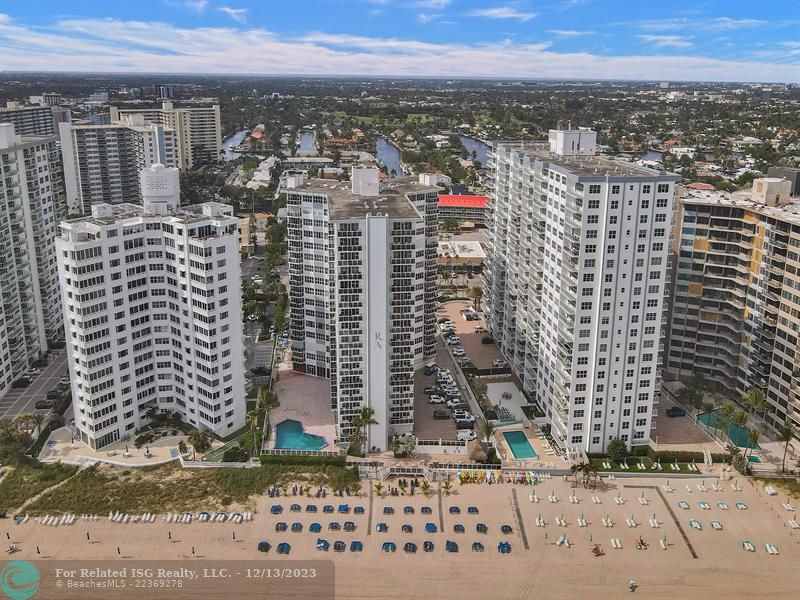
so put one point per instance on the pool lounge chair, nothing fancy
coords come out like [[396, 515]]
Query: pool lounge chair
[[504, 548], [349, 526], [334, 526], [427, 546], [311, 508], [408, 510], [741, 506], [297, 527], [430, 527], [748, 546], [426, 510], [722, 504], [454, 510], [327, 509], [344, 509], [451, 546], [388, 510], [315, 528], [506, 529], [772, 549], [481, 528], [322, 545], [295, 508], [477, 547], [389, 547], [339, 546], [280, 526], [683, 504], [410, 548], [382, 528], [716, 525], [284, 548], [695, 524], [458, 528], [276, 509], [264, 546], [406, 528], [473, 510], [356, 546]]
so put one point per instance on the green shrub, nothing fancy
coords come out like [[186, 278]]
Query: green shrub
[[144, 438], [235, 454], [617, 449], [278, 459]]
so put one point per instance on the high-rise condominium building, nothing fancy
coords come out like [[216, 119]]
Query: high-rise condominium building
[[102, 162], [362, 277], [576, 279], [153, 313], [736, 315], [198, 130], [31, 205], [34, 120]]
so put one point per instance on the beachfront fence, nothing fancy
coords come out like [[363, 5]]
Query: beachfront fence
[[441, 446], [289, 452]]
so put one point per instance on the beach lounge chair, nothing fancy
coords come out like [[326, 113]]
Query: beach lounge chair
[[311, 508], [741, 506], [771, 491], [540, 521], [334, 526], [451, 546], [748, 546], [630, 522], [793, 524], [788, 507], [349, 526], [297, 528], [284, 548], [295, 508], [427, 546], [772, 549], [642, 500], [663, 543], [276, 509], [410, 548], [327, 509], [430, 527], [280, 526], [426, 510], [705, 505], [389, 547], [654, 523], [315, 528], [264, 546], [339, 546], [695, 524], [596, 500], [408, 510], [716, 525], [722, 504], [504, 548], [454, 510], [481, 528], [582, 522], [344, 509], [358, 510], [473, 510], [477, 547], [322, 545], [619, 500], [616, 544], [356, 546], [683, 504], [388, 510], [506, 529], [382, 528], [406, 528], [458, 528]]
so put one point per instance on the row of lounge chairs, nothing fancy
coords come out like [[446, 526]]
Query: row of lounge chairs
[[120, 517]]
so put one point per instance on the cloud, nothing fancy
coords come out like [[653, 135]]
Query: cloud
[[667, 41], [113, 45], [237, 14], [198, 5], [433, 4], [717, 24], [503, 12], [569, 32]]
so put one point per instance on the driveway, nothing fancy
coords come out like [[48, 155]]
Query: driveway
[[22, 400]]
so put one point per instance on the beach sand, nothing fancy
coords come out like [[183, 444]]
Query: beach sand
[[721, 570]]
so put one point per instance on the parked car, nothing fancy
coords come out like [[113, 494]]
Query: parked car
[[436, 399], [441, 415], [465, 435], [64, 381], [453, 340], [464, 424], [481, 329], [487, 340], [675, 411], [499, 363], [44, 404], [54, 394], [462, 415], [430, 368], [459, 351], [432, 389], [21, 382]]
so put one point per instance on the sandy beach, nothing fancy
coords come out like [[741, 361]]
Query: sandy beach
[[543, 570]]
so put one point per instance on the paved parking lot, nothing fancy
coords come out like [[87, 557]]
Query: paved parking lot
[[480, 354], [22, 400], [425, 426]]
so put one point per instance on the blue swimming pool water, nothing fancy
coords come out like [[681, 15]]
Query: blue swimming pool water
[[519, 444], [753, 459], [289, 435], [736, 434]]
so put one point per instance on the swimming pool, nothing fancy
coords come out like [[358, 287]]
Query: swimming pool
[[753, 459], [736, 434], [289, 435], [518, 443]]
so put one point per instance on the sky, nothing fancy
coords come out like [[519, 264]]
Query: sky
[[676, 40]]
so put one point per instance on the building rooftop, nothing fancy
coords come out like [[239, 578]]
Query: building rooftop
[[462, 249], [461, 201], [344, 204], [116, 213], [789, 213], [595, 165]]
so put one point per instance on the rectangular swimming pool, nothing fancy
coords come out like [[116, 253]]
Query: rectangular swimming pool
[[519, 445]]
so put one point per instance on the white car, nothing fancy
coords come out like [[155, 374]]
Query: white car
[[465, 435], [436, 399], [454, 402], [64, 381], [462, 415], [453, 340], [256, 279], [459, 352]]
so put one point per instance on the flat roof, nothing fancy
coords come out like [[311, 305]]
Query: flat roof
[[790, 213], [465, 249], [344, 204], [596, 165], [127, 210], [463, 201]]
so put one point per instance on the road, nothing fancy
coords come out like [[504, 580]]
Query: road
[[22, 400]]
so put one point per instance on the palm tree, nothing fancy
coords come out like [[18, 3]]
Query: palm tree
[[366, 417], [756, 401], [447, 486], [786, 434], [426, 487], [379, 489], [752, 437], [37, 419], [252, 420], [402, 485], [200, 441], [267, 401], [486, 429], [446, 276], [476, 293]]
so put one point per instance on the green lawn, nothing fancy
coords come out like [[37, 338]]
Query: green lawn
[[27, 480], [597, 463], [104, 488]]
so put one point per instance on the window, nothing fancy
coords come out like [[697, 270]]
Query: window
[[663, 188], [577, 439], [645, 203], [594, 188], [615, 189], [646, 188], [614, 204], [593, 219], [593, 204], [662, 203], [588, 263]]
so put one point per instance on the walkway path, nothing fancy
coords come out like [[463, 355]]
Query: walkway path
[[671, 513], [33, 499], [518, 515]]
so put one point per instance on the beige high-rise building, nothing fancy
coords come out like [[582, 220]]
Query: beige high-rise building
[[736, 315], [198, 130]]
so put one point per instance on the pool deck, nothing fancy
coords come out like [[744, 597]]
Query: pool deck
[[542, 461]]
